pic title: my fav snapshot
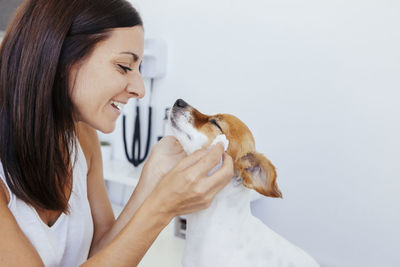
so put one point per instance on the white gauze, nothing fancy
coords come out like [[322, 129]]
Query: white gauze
[[225, 142]]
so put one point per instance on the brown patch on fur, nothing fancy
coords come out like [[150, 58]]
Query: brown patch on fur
[[259, 173], [256, 170], [241, 141], [199, 118], [202, 123]]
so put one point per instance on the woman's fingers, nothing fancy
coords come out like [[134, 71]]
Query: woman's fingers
[[191, 159], [206, 163], [220, 178], [187, 187], [202, 160], [168, 145], [171, 143], [208, 186]]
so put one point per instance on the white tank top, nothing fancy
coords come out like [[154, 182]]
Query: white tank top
[[67, 241]]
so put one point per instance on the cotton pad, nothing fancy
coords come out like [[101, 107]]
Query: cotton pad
[[219, 138]]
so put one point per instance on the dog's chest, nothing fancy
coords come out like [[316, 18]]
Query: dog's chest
[[227, 234], [215, 235]]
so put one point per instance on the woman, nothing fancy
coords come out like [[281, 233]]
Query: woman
[[64, 67]]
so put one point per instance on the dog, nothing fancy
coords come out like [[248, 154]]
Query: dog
[[226, 234]]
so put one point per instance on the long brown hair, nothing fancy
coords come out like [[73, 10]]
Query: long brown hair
[[37, 135]]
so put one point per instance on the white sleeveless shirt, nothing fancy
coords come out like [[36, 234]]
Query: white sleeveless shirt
[[67, 241]]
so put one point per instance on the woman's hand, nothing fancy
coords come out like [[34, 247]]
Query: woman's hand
[[163, 157], [187, 187]]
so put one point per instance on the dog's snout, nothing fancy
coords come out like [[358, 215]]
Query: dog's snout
[[181, 103]]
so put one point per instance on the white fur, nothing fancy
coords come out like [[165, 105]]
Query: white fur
[[221, 138], [226, 234], [186, 129]]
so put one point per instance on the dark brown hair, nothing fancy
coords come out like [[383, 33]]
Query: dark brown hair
[[37, 135]]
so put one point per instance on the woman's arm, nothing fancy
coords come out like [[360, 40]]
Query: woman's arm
[[131, 243], [164, 155], [161, 194], [119, 243]]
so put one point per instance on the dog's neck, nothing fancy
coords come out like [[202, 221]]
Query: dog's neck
[[230, 204], [218, 226], [229, 208]]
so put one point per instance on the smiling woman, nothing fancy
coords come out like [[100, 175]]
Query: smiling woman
[[60, 66], [58, 36], [103, 83], [67, 67]]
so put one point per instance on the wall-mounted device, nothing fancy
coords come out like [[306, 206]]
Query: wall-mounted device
[[154, 63], [153, 67]]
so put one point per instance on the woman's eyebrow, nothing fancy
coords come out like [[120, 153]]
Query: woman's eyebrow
[[135, 57]]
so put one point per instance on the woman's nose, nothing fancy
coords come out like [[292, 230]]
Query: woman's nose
[[136, 87]]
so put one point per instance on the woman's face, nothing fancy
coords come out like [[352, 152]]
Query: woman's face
[[109, 76]]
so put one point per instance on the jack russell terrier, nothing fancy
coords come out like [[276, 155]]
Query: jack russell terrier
[[226, 234]]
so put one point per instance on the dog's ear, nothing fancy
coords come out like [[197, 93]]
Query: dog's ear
[[258, 173]]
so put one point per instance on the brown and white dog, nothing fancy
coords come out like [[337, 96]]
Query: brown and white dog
[[227, 234]]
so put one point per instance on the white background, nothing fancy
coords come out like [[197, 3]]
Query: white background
[[318, 84]]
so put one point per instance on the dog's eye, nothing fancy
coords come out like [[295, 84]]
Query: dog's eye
[[216, 124]]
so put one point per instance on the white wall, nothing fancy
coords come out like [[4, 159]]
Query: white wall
[[318, 84]]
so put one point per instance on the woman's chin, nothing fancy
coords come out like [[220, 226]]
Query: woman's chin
[[104, 128], [107, 130]]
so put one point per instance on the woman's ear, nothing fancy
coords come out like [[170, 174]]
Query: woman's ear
[[258, 173]]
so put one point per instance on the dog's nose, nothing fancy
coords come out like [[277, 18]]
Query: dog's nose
[[180, 103]]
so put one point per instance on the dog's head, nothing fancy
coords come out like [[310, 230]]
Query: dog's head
[[195, 130]]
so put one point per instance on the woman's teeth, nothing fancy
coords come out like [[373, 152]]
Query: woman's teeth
[[117, 105]]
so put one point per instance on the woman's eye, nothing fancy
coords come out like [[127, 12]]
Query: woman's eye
[[125, 69]]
